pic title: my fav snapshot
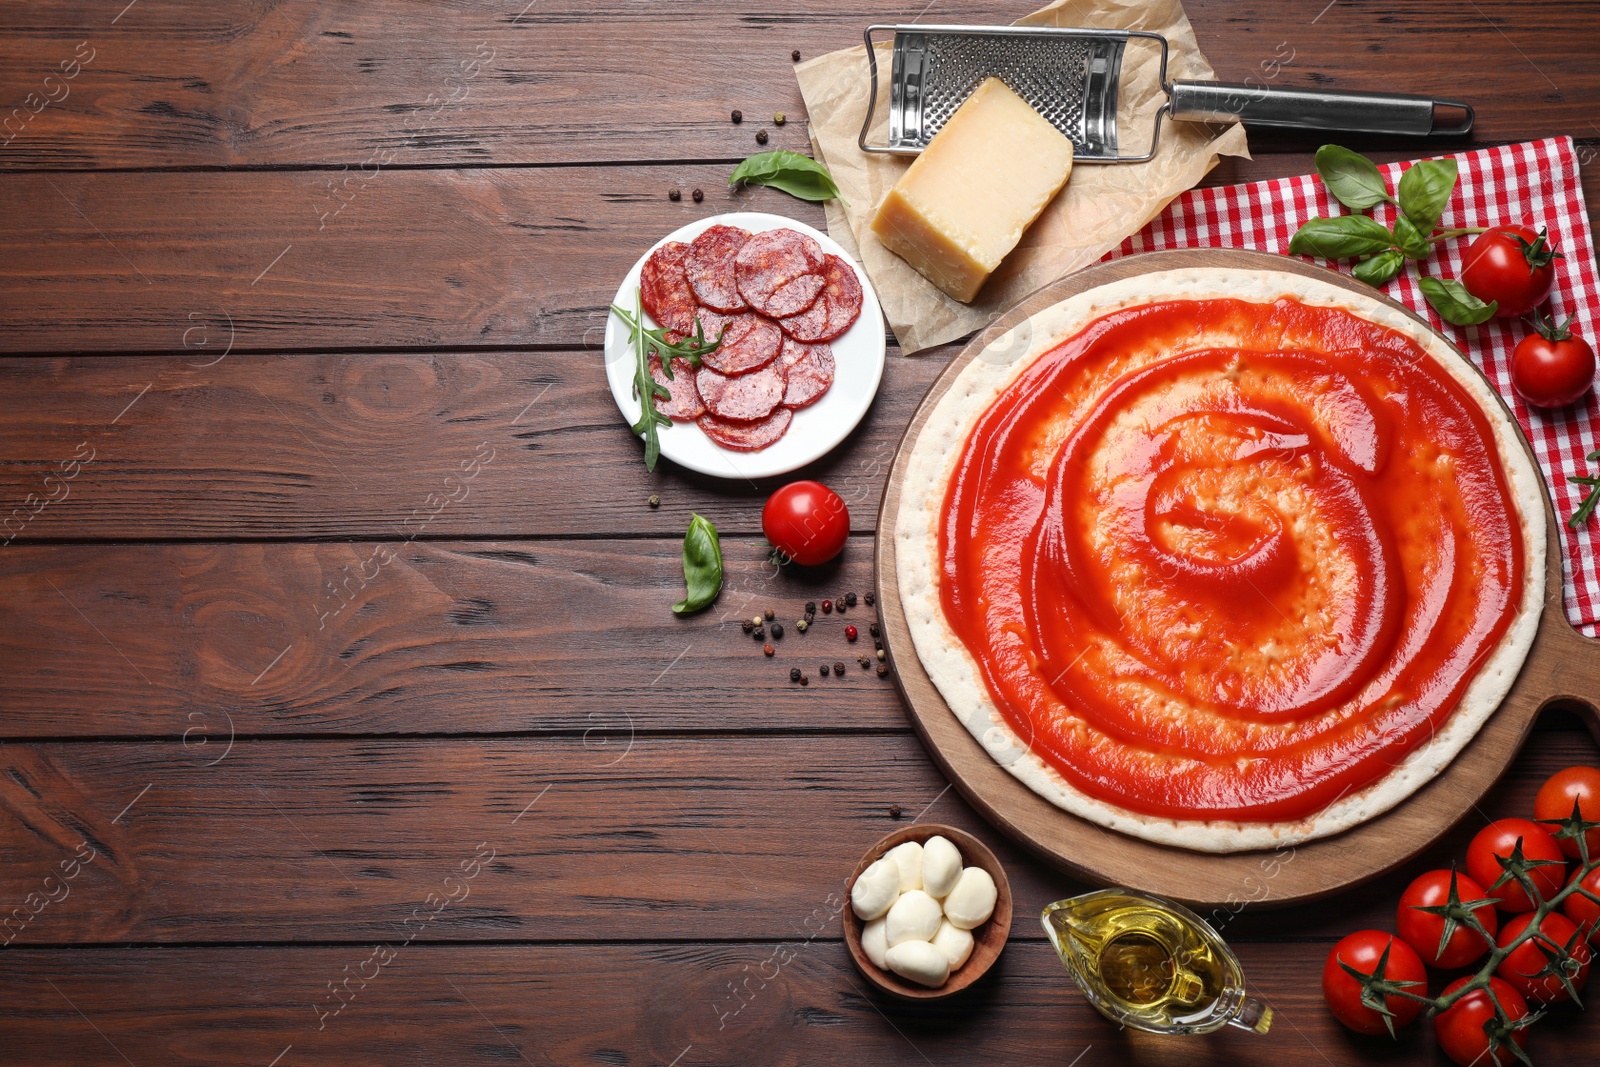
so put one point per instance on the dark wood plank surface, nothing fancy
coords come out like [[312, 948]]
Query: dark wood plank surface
[[383, 83], [263, 297]]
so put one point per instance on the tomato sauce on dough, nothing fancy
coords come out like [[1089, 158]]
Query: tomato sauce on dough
[[1228, 560]]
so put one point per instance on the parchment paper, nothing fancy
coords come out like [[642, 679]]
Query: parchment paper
[[1100, 206]]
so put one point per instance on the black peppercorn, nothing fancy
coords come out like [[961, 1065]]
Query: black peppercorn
[[794, 674], [871, 599], [737, 116], [811, 607], [698, 196], [894, 811], [759, 633], [761, 137], [823, 670], [864, 661], [883, 670], [777, 631], [795, 55], [850, 598], [838, 668], [747, 625], [674, 195], [873, 630], [805, 680]]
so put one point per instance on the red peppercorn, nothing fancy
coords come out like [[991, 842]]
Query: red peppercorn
[[827, 607], [849, 633]]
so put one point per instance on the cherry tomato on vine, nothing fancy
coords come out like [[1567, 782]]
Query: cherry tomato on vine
[[1511, 265], [807, 522], [1583, 911], [1363, 950], [1423, 930], [1551, 368], [1522, 967], [1555, 800], [1498, 839], [1460, 1028]]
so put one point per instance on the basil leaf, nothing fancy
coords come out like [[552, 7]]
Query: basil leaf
[[1351, 177], [1410, 240], [1379, 269], [1343, 237], [797, 175], [702, 566], [1454, 304], [1425, 189]]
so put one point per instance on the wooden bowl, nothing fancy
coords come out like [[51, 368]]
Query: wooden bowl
[[988, 939]]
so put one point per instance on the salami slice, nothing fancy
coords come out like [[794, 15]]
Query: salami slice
[[685, 403], [747, 436], [743, 397], [780, 272], [809, 370], [749, 342], [709, 267], [664, 287], [836, 308]]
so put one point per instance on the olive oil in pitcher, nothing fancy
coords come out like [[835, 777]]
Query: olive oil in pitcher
[[1150, 964]]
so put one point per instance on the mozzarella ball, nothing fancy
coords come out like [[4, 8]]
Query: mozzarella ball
[[972, 899], [875, 890], [914, 917], [874, 942], [908, 857], [954, 942], [941, 866], [919, 962]]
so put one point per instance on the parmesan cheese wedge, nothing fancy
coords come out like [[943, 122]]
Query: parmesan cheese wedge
[[969, 197]]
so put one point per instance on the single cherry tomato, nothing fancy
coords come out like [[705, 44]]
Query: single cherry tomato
[[1363, 950], [1551, 368], [1522, 967], [1423, 931], [1460, 1027], [1511, 265], [1538, 844], [1563, 789], [807, 522], [1580, 909]]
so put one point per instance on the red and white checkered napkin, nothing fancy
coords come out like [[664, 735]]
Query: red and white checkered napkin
[[1534, 183]]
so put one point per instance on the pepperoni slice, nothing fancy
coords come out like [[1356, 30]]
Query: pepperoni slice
[[709, 267], [780, 272], [809, 369], [749, 342], [685, 402], [664, 287], [747, 436], [744, 397], [836, 308]]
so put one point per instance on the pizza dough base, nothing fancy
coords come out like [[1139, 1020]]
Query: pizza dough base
[[952, 668]]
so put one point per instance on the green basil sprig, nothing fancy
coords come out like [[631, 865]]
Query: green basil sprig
[[1424, 192], [799, 176], [702, 566]]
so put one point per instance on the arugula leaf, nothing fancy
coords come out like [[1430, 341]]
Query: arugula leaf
[[1380, 269], [645, 388], [1410, 240], [690, 348], [1425, 189], [1454, 304], [799, 176], [1352, 178], [1341, 237], [702, 566], [1586, 508]]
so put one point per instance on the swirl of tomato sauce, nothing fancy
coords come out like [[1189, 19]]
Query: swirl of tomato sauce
[[1225, 560]]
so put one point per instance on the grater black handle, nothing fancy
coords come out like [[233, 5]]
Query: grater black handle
[[1314, 109]]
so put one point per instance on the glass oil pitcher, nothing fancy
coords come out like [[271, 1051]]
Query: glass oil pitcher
[[1152, 965]]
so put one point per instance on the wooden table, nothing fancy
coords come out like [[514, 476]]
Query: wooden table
[[336, 637]]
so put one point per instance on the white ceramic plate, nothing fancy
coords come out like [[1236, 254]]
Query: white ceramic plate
[[858, 357]]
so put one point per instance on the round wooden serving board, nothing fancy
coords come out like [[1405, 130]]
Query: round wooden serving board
[[1562, 667]]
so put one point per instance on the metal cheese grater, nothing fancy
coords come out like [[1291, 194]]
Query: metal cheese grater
[[1071, 77]]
